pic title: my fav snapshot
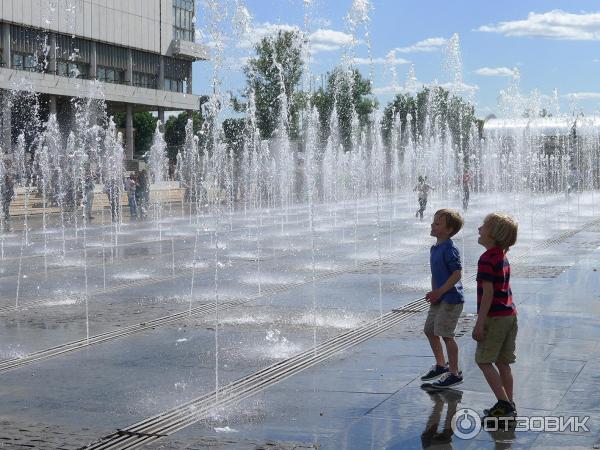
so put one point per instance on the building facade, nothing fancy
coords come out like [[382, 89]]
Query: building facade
[[141, 52]]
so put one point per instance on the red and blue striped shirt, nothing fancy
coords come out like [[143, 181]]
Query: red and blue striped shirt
[[493, 266]]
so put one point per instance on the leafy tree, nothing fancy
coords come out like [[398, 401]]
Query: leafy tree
[[402, 106], [436, 103], [175, 131], [276, 69], [350, 93], [233, 132], [144, 124]]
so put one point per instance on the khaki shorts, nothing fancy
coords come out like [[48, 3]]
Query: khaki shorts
[[499, 341], [442, 319]]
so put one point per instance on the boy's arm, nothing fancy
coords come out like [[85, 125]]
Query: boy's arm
[[484, 308], [435, 294]]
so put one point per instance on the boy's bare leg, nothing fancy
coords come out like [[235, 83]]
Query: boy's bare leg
[[452, 349], [436, 347], [507, 379], [493, 379]]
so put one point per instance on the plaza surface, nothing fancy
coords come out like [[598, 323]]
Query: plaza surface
[[281, 289]]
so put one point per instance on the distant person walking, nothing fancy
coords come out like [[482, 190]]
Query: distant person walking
[[143, 193], [466, 184], [88, 197], [422, 189], [130, 187], [111, 188], [7, 193]]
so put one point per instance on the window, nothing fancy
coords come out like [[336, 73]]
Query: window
[[73, 57], [110, 75], [71, 70], [176, 72], [183, 18], [29, 48], [146, 67], [145, 80], [30, 63], [112, 63], [173, 85], [17, 61], [26, 61]]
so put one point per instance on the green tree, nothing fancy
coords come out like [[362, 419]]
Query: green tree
[[233, 132], [350, 93], [276, 69], [402, 106], [436, 104], [175, 131], [144, 124]]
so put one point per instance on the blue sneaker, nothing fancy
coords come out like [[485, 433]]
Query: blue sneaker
[[448, 380]]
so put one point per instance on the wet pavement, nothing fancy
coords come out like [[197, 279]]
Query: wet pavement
[[365, 397]]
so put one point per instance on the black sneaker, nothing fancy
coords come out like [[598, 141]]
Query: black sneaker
[[448, 380], [434, 373], [502, 410], [486, 412]]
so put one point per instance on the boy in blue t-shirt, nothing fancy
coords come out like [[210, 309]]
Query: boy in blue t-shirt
[[446, 299]]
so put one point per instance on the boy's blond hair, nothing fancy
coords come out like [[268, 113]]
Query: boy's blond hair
[[454, 220], [503, 229]]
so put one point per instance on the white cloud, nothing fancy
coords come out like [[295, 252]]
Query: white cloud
[[583, 95], [321, 40], [331, 37], [390, 89], [426, 45], [596, 60], [320, 47], [380, 61], [496, 72], [255, 34], [398, 89], [555, 24], [462, 87]]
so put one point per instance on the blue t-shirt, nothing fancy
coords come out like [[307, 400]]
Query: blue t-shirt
[[444, 260]]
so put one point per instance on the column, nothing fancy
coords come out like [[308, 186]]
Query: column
[[93, 61], [189, 80], [7, 56], [52, 104], [161, 117], [129, 132]]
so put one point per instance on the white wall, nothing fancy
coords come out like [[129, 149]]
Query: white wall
[[129, 23]]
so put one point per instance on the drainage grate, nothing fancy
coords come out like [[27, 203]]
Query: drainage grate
[[178, 418]]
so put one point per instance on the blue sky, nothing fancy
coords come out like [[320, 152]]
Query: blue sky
[[553, 44]]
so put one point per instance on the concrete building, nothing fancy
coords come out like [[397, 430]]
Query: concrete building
[[140, 50]]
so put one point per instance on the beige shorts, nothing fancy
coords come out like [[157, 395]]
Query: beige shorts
[[442, 319], [499, 341]]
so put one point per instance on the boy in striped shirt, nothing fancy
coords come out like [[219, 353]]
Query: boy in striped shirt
[[496, 327]]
